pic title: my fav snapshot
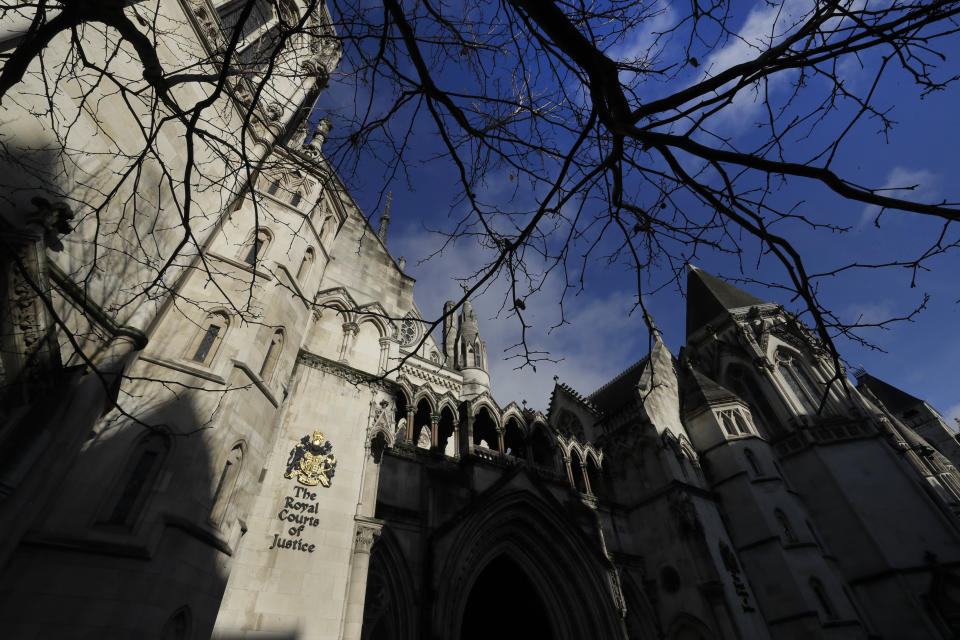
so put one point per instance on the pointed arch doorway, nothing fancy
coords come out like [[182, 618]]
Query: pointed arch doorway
[[505, 604]]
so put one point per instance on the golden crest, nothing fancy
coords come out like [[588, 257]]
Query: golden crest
[[311, 461]]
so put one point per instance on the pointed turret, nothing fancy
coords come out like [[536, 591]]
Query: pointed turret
[[708, 297], [385, 220], [470, 353]]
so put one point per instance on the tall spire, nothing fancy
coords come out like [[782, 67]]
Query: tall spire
[[385, 219], [708, 296]]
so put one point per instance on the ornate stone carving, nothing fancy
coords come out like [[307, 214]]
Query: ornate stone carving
[[313, 148], [311, 462], [52, 220], [423, 441], [326, 53], [382, 412], [208, 25], [274, 111], [366, 535], [352, 376]]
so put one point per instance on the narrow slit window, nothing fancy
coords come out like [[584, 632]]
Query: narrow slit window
[[306, 263], [226, 485], [752, 461], [823, 600], [272, 355], [785, 527]]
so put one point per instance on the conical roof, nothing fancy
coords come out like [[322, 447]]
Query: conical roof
[[708, 296], [700, 390]]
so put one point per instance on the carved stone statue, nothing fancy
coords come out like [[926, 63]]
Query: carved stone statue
[[274, 111], [423, 442]]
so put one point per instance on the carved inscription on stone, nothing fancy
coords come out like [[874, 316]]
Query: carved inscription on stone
[[299, 511]]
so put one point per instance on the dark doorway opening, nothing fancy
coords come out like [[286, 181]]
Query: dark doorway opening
[[504, 604]]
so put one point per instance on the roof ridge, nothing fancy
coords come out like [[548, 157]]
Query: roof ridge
[[620, 375], [579, 397]]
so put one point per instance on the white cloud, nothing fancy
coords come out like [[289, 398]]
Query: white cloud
[[952, 416], [869, 312], [766, 25], [645, 42], [912, 184], [600, 341]]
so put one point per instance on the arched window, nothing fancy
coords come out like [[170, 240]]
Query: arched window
[[272, 355], [296, 198], [543, 448], [326, 229], [273, 188], [785, 528], [826, 606], [207, 341], [793, 373], [745, 385], [306, 263], [752, 461], [223, 495], [138, 477], [257, 246]]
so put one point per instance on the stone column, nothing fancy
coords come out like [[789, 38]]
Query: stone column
[[367, 531], [586, 478], [434, 430], [500, 445], [384, 355], [464, 446], [410, 428], [566, 462], [350, 330]]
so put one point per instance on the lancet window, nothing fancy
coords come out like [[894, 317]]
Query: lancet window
[[207, 342], [272, 355], [752, 461], [305, 265], [256, 247], [826, 605], [786, 529], [734, 423], [226, 484], [137, 479], [799, 382]]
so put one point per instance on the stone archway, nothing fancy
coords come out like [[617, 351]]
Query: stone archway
[[521, 540], [505, 604], [388, 602]]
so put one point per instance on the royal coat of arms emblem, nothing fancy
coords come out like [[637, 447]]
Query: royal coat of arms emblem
[[311, 462]]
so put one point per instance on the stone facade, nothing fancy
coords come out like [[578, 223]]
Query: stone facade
[[299, 458]]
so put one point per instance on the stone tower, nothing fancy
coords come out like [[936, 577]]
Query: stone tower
[[470, 353]]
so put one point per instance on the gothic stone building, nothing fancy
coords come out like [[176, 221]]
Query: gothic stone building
[[318, 467]]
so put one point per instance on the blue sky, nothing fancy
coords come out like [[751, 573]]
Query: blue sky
[[601, 339]]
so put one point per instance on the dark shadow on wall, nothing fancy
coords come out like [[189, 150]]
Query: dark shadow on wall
[[123, 545]]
